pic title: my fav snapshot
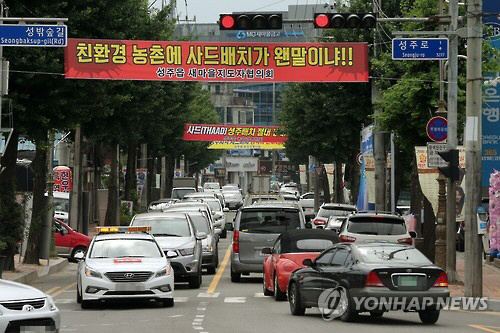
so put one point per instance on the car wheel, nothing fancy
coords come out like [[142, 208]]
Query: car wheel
[[223, 234], [376, 314], [296, 307], [87, 304], [216, 256], [78, 249], [211, 269], [278, 294], [78, 295], [235, 277], [349, 313], [167, 302], [429, 316], [266, 291]]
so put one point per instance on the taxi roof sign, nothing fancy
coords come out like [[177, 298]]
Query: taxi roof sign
[[101, 230]]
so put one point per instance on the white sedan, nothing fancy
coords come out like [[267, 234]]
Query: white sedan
[[123, 263], [26, 309]]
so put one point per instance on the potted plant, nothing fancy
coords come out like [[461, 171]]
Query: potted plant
[[3, 246]]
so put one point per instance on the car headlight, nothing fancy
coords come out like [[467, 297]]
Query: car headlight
[[91, 273], [52, 305], [164, 271], [187, 252], [207, 248]]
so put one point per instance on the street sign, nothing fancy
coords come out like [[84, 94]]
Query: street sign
[[33, 35], [420, 48], [359, 158], [437, 129], [433, 159]]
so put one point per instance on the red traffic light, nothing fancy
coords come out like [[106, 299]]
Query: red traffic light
[[344, 20], [246, 21], [227, 21]]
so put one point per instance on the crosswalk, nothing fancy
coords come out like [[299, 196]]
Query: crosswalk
[[184, 299]]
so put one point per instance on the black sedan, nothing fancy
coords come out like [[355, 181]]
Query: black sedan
[[351, 278]]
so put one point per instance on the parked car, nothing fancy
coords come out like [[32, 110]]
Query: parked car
[[176, 232], [375, 271], [338, 211], [376, 227], [259, 226], [287, 255], [22, 308], [69, 242]]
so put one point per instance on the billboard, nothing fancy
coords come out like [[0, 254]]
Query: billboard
[[234, 133], [209, 61]]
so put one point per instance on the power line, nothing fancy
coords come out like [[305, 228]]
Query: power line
[[272, 4]]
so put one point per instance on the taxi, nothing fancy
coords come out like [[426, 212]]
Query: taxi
[[124, 263]]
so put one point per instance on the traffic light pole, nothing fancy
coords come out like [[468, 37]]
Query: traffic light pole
[[473, 258]]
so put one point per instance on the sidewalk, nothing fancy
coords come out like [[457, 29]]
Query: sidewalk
[[29, 273], [491, 282]]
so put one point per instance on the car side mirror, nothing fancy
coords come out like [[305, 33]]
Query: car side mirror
[[61, 231], [201, 235], [79, 256], [171, 254], [413, 234], [267, 250], [225, 210], [218, 231], [229, 226], [307, 262]]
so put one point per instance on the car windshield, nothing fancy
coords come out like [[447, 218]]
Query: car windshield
[[233, 195], [179, 193], [61, 205], [200, 223], [334, 211], [214, 205], [176, 227], [383, 254], [211, 186], [313, 245], [120, 247], [269, 221], [376, 226]]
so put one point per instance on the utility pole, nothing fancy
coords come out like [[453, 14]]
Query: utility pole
[[316, 184], [473, 258], [74, 210], [451, 209], [47, 225]]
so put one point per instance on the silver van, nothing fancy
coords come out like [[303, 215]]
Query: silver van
[[256, 227]]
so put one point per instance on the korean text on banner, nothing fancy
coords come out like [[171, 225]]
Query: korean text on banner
[[234, 133], [209, 61]]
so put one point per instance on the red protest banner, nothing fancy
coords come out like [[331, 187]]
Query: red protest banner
[[234, 133], [209, 61]]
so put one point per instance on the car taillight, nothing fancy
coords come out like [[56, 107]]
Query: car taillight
[[319, 221], [442, 280], [236, 242], [372, 280], [345, 238], [408, 241]]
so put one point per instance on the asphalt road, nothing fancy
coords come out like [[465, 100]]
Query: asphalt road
[[222, 306]]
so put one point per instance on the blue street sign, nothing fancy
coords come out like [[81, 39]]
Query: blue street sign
[[33, 35], [420, 48], [437, 129]]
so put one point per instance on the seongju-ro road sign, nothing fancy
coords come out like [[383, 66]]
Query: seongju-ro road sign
[[33, 35], [420, 48]]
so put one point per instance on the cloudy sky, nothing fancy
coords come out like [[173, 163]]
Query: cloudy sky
[[207, 11]]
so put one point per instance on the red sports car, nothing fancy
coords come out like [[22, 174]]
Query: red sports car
[[287, 255]]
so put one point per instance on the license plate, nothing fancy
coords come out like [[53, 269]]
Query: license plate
[[130, 286], [407, 281]]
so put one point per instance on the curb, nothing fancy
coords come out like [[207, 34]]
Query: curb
[[28, 277]]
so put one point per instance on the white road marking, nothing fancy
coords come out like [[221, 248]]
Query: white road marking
[[64, 300], [200, 316], [259, 295], [235, 300], [207, 295], [180, 299], [201, 309], [176, 316]]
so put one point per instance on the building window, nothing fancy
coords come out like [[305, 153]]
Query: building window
[[217, 89], [249, 120], [229, 116], [220, 112]]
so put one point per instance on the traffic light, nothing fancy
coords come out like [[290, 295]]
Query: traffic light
[[251, 21], [452, 171], [344, 20]]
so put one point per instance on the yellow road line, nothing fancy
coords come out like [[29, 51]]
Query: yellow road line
[[59, 292], [52, 290], [215, 281], [485, 328]]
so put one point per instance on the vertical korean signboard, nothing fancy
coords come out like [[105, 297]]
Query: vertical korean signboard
[[491, 98]]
